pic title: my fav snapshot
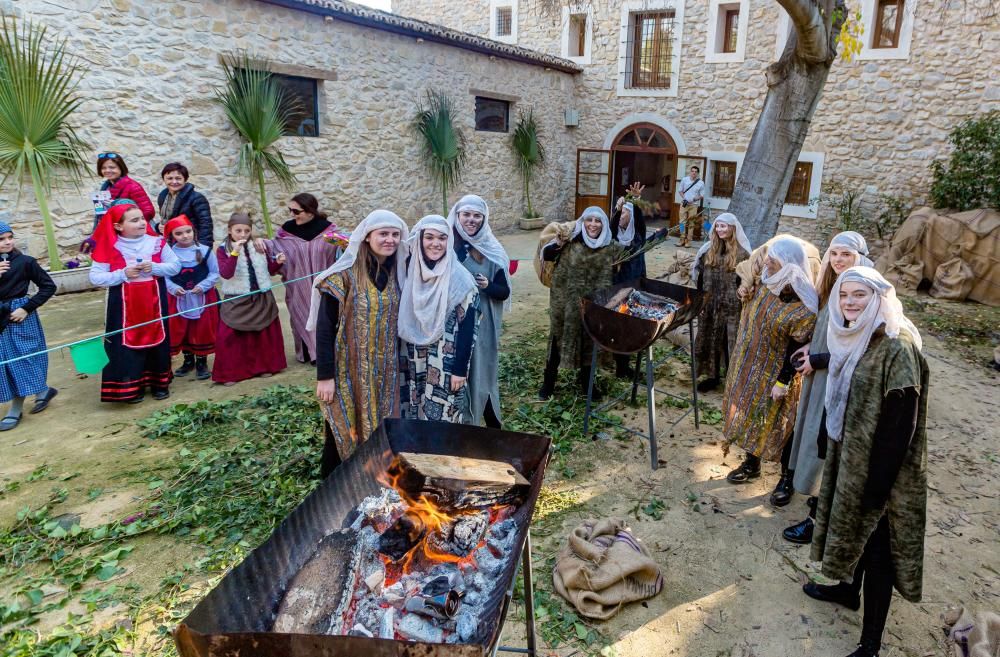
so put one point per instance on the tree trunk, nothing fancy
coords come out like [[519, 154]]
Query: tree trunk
[[55, 263], [795, 84], [527, 195], [268, 228]]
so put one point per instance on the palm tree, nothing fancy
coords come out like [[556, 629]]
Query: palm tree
[[443, 145], [259, 110], [37, 97], [528, 151]]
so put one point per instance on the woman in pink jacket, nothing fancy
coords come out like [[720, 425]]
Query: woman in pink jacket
[[111, 167]]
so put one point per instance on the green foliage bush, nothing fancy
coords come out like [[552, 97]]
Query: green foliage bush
[[971, 177]]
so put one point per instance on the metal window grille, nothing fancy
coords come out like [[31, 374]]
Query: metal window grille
[[504, 21], [649, 50]]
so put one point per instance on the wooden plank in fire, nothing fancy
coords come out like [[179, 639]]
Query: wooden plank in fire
[[458, 482]]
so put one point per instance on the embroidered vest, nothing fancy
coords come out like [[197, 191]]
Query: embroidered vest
[[240, 282]]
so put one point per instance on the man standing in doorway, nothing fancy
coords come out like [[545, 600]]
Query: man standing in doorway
[[692, 189]]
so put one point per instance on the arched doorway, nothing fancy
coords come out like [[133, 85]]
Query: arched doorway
[[645, 153]]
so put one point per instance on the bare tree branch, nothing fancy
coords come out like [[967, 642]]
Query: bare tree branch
[[813, 42]]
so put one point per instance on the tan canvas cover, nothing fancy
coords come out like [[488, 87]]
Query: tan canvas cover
[[958, 253]]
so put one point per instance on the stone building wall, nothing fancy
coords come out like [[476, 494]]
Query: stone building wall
[[150, 69], [878, 125]]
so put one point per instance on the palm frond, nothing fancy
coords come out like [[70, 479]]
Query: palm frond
[[528, 151], [442, 143]]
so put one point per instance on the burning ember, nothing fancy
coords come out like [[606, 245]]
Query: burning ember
[[647, 306], [418, 561]]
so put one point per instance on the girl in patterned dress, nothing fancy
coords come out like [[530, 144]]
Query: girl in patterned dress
[[438, 317], [354, 312]]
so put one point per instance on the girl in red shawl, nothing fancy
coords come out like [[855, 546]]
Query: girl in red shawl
[[132, 261]]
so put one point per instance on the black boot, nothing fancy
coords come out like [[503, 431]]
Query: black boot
[[550, 373], [866, 649], [623, 370], [201, 366], [840, 593], [583, 378], [186, 366], [749, 469], [709, 385], [802, 532], [783, 491]]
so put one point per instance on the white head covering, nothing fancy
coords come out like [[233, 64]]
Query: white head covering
[[627, 234], [604, 238], [729, 219], [375, 220], [483, 241], [852, 241], [430, 293], [795, 271], [847, 344]]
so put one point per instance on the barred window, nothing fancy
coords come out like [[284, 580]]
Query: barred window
[[504, 21], [649, 51]]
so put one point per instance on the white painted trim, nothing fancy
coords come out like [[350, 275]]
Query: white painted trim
[[628, 8], [496, 4], [646, 117], [783, 30], [588, 46], [713, 41], [788, 210], [716, 203], [905, 32]]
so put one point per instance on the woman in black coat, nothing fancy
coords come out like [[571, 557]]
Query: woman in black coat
[[180, 197]]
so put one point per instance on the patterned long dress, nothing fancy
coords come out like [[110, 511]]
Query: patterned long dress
[[425, 389], [579, 271], [753, 421], [718, 322], [367, 350], [842, 524]]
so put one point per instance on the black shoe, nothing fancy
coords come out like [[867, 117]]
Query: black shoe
[[840, 594], [583, 378], [42, 400], [866, 649], [783, 491], [708, 385], [136, 400], [749, 469], [201, 365], [545, 392], [159, 395], [186, 366], [800, 533], [811, 502]]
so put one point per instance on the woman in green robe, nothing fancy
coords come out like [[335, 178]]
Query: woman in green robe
[[584, 264], [873, 502]]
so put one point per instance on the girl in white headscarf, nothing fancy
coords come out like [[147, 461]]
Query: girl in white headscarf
[[438, 316], [761, 387], [873, 502], [584, 263], [805, 454], [714, 271], [354, 312], [481, 253]]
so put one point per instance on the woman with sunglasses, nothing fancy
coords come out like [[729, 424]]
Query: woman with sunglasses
[[116, 186], [307, 253], [180, 198]]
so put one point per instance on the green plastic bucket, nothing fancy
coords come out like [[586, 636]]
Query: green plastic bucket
[[89, 357]]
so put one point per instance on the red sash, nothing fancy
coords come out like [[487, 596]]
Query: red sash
[[141, 303]]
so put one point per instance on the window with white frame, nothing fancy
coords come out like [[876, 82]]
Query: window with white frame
[[650, 47], [503, 20], [807, 177], [728, 21], [888, 28], [577, 37]]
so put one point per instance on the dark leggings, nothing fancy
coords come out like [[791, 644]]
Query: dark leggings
[[331, 457], [490, 415], [876, 573]]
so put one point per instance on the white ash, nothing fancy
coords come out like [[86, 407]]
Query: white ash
[[418, 628]]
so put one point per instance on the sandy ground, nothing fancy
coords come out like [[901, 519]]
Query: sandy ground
[[732, 583]]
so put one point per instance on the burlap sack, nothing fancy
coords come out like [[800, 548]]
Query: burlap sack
[[970, 636], [604, 567], [953, 280], [562, 230], [679, 271]]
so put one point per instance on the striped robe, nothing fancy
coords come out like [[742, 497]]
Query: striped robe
[[753, 421]]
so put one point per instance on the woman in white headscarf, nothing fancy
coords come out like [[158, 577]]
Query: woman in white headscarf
[[805, 452], [873, 502], [584, 263], [714, 271], [481, 253], [354, 312], [438, 316], [762, 390]]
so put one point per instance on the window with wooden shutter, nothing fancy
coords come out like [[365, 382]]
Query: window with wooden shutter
[[731, 26], [798, 190], [723, 178], [888, 23]]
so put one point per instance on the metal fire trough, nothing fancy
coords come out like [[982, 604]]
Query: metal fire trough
[[236, 618], [620, 333]]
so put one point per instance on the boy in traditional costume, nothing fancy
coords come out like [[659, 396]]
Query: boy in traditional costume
[[437, 322], [872, 508], [481, 253], [132, 262], [354, 313]]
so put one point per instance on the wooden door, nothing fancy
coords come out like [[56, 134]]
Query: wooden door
[[593, 179]]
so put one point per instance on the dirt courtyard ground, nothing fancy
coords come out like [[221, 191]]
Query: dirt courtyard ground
[[732, 584]]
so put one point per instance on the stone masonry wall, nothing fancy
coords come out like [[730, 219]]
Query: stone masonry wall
[[879, 123], [150, 69]]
